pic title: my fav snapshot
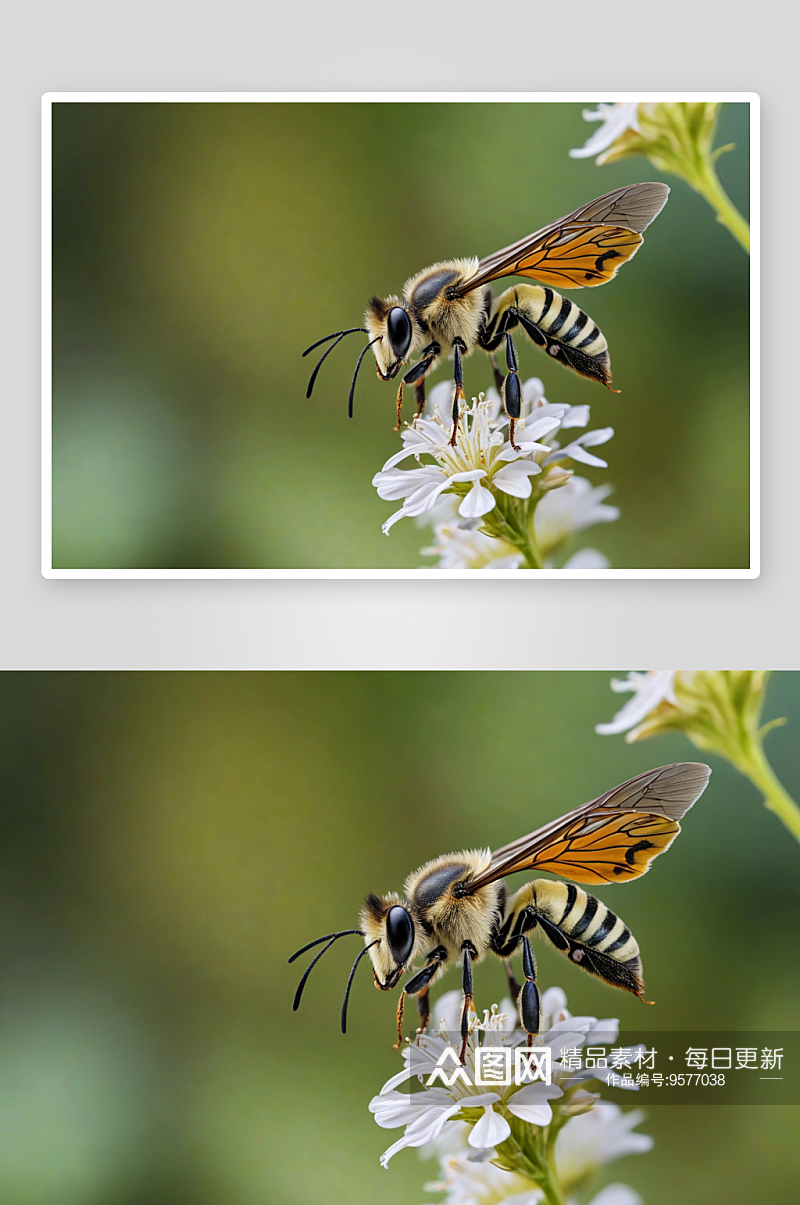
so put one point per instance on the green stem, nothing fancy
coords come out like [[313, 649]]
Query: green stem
[[528, 545], [528, 1152], [529, 550], [552, 1189], [776, 797], [706, 182], [546, 1177]]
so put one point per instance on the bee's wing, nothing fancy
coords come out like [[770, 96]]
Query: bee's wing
[[583, 249], [611, 839]]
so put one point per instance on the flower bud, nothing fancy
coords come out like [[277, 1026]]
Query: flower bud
[[581, 1102], [553, 478]]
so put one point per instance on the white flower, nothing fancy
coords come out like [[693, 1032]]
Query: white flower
[[616, 118], [593, 1139], [482, 455], [424, 1113], [471, 549], [594, 1133], [560, 514], [570, 509], [650, 690], [467, 1182]]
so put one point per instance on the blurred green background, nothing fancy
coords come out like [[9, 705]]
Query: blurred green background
[[199, 248], [171, 838]]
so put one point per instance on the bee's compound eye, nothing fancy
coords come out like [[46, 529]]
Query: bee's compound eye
[[399, 933], [398, 324]]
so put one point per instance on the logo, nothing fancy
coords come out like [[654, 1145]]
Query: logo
[[493, 1066]]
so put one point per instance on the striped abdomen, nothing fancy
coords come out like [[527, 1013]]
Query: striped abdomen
[[583, 928], [559, 327]]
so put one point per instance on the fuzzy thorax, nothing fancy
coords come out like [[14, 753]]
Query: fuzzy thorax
[[441, 317], [435, 317], [434, 893]]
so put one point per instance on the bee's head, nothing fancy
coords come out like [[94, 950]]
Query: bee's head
[[389, 322], [388, 921]]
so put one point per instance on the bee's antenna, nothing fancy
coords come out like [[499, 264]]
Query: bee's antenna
[[331, 938], [327, 937], [337, 338], [335, 335], [359, 956], [355, 374]]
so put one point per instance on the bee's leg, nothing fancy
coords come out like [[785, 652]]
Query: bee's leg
[[490, 336], [400, 404], [419, 397], [458, 377], [416, 377], [513, 986], [529, 1003], [505, 942], [437, 958], [401, 1003], [418, 371], [512, 390], [418, 986], [469, 953], [424, 1009]]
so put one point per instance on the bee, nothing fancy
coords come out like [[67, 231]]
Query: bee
[[449, 309], [456, 910]]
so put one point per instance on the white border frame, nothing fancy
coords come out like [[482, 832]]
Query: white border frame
[[422, 573]]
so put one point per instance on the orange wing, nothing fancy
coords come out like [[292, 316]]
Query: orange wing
[[609, 850], [612, 838], [583, 249]]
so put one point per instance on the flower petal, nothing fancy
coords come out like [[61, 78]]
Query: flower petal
[[479, 501], [392, 1150], [538, 1115], [491, 1130], [616, 1194], [532, 391], [576, 416], [554, 1001], [447, 1012], [604, 1032], [531, 1103], [576, 452], [522, 450], [651, 689], [599, 436], [616, 119], [392, 1109], [442, 396], [430, 1126], [468, 475], [539, 425], [399, 483], [413, 449], [514, 478], [587, 558], [390, 522]]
